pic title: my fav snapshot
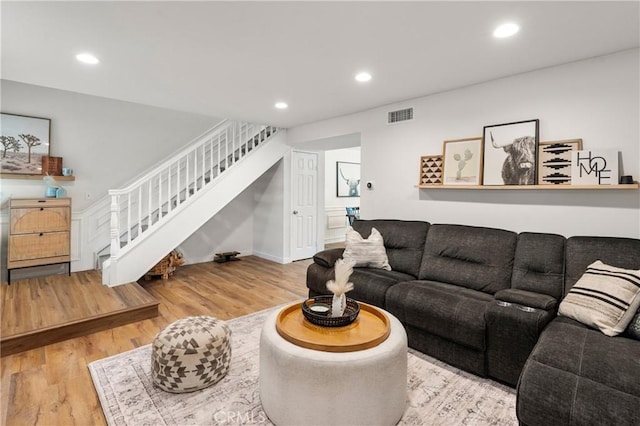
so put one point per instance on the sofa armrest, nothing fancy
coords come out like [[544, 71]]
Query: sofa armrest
[[527, 299], [327, 258]]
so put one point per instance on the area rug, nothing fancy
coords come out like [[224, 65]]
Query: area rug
[[437, 394]]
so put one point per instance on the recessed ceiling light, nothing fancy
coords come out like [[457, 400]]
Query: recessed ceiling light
[[506, 30], [363, 76], [87, 58], [281, 105]]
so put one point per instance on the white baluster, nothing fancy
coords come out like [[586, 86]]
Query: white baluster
[[139, 210], [149, 210], [159, 196], [128, 217], [115, 226], [178, 188], [169, 204], [195, 170]]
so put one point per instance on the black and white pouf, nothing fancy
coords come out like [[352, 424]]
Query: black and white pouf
[[191, 354]]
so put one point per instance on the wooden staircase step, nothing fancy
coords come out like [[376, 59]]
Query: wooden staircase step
[[62, 308]]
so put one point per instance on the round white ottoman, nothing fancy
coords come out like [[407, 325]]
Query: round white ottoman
[[191, 354], [300, 386]]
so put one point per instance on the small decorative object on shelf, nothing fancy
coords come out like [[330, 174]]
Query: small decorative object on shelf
[[554, 161], [52, 165], [53, 190], [340, 286], [591, 167], [430, 170], [317, 311]]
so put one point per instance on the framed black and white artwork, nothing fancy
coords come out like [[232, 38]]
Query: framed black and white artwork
[[24, 140], [347, 179], [510, 153]]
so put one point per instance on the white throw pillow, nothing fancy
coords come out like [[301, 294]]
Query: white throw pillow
[[605, 297], [368, 252]]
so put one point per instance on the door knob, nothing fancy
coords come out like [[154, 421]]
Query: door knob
[[295, 212]]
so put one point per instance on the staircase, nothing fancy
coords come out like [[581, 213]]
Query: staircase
[[157, 212]]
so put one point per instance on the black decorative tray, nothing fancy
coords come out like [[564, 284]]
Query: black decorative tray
[[324, 318]]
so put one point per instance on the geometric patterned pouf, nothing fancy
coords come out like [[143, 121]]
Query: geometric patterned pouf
[[191, 354]]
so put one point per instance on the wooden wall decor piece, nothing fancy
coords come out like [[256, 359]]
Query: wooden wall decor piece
[[554, 161], [430, 170]]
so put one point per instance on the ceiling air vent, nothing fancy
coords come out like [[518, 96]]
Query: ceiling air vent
[[400, 115]]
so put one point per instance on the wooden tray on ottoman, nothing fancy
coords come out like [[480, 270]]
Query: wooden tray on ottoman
[[371, 328]]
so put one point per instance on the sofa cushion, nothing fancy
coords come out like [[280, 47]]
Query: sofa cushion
[[473, 257], [538, 265], [371, 285], [605, 297], [403, 240], [583, 251], [570, 346], [453, 312], [366, 252]]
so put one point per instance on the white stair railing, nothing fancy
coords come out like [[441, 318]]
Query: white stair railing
[[153, 198]]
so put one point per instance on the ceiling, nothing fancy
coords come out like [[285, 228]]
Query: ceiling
[[236, 59]]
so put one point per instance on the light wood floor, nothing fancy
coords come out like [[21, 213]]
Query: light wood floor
[[52, 386]]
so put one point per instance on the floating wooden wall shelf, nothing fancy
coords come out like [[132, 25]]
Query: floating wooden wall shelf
[[530, 187], [34, 177]]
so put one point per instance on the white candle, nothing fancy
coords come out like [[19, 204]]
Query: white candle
[[321, 309]]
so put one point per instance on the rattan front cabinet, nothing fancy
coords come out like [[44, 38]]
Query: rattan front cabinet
[[39, 232]]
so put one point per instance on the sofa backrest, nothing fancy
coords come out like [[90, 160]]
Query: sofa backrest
[[538, 265], [403, 239], [468, 256], [582, 251]]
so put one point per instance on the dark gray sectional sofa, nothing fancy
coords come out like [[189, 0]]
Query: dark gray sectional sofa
[[486, 300]]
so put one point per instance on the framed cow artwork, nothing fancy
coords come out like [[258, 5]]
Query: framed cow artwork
[[510, 153]]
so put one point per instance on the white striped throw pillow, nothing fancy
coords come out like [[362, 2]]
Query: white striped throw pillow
[[369, 252], [605, 297]]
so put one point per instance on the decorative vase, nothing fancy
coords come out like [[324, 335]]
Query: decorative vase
[[338, 305]]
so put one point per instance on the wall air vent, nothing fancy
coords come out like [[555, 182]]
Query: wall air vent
[[400, 115]]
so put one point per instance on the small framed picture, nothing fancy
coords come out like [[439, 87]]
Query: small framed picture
[[554, 161], [462, 161], [347, 179], [510, 153], [430, 170], [595, 167]]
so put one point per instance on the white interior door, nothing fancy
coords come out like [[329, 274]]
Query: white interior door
[[304, 205]]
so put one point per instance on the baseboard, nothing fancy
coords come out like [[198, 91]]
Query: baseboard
[[334, 240], [281, 260], [209, 258]]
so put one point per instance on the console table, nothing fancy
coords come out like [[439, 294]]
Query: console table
[[39, 233]]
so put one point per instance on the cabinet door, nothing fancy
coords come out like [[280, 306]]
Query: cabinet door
[[38, 246], [36, 220]]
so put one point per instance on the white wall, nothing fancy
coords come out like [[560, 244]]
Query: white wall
[[597, 100], [271, 197], [336, 221], [229, 230], [106, 142]]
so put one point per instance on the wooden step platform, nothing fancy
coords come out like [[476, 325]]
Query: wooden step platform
[[40, 311]]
